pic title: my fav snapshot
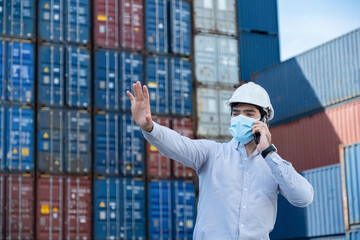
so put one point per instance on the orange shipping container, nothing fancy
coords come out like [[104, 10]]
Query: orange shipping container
[[314, 141]]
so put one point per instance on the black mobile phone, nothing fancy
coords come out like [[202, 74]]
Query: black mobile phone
[[257, 134]]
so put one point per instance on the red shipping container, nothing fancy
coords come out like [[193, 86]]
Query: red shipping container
[[63, 208], [119, 23], [158, 166], [2, 205], [19, 207], [131, 22], [314, 141], [185, 128]]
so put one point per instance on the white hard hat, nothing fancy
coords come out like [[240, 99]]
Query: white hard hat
[[254, 94]]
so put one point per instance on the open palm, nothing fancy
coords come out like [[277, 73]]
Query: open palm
[[140, 107]]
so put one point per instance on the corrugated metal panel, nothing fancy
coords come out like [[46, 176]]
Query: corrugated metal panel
[[158, 166], [106, 21], [131, 70], [325, 215], [132, 205], [321, 77], [20, 137], [185, 128], [184, 209], [351, 157], [156, 26], [50, 141], [2, 136], [215, 16], [77, 142], [207, 112], [107, 141], [17, 19], [290, 221], [77, 207], [225, 111], [19, 207], [180, 86], [216, 60], [107, 82], [259, 15], [132, 147], [78, 86], [157, 74], [180, 24], [313, 141], [2, 69], [353, 234], [51, 75], [131, 22], [50, 208], [119, 209], [160, 210], [20, 72], [340, 237], [2, 204], [257, 51], [61, 21]]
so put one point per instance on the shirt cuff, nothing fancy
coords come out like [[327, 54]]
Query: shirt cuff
[[153, 132]]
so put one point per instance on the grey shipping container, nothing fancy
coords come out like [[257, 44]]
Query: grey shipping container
[[216, 60], [215, 16], [213, 116], [308, 83]]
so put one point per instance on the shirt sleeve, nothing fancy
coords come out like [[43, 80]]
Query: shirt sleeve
[[190, 152], [294, 187]]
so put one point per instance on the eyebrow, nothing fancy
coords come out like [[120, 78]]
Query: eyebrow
[[247, 110]]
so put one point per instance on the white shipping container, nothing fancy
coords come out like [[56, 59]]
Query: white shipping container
[[215, 16], [212, 114], [216, 60]]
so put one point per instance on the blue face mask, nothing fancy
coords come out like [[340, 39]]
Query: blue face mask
[[240, 128]]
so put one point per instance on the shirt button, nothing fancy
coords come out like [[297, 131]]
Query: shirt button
[[241, 225], [245, 189], [244, 206], [247, 173]]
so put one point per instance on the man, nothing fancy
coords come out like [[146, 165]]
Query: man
[[239, 180]]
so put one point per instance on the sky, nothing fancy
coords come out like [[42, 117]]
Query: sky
[[304, 24]]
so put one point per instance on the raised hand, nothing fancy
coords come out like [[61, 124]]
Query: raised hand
[[140, 107]]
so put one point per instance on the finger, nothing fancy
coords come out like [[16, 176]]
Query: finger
[[135, 91], [139, 92], [146, 93], [131, 97]]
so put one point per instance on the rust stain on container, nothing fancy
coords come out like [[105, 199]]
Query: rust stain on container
[[314, 141]]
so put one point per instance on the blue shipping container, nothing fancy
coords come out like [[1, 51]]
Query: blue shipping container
[[156, 26], [2, 70], [119, 209], [64, 21], [180, 86], [78, 71], [183, 197], [19, 139], [2, 136], [107, 144], [51, 75], [350, 158], [50, 158], [258, 15], [157, 73], [180, 25], [314, 80], [132, 204], [17, 19], [107, 87], [132, 147], [257, 51], [20, 68], [131, 70], [77, 142], [325, 216], [160, 210]]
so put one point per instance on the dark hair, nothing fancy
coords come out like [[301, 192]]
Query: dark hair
[[261, 110]]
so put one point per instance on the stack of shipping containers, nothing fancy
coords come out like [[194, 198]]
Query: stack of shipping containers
[[316, 99]]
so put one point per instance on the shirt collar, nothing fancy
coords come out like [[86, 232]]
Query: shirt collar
[[236, 144]]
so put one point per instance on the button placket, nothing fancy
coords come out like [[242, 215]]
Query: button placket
[[244, 200]]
